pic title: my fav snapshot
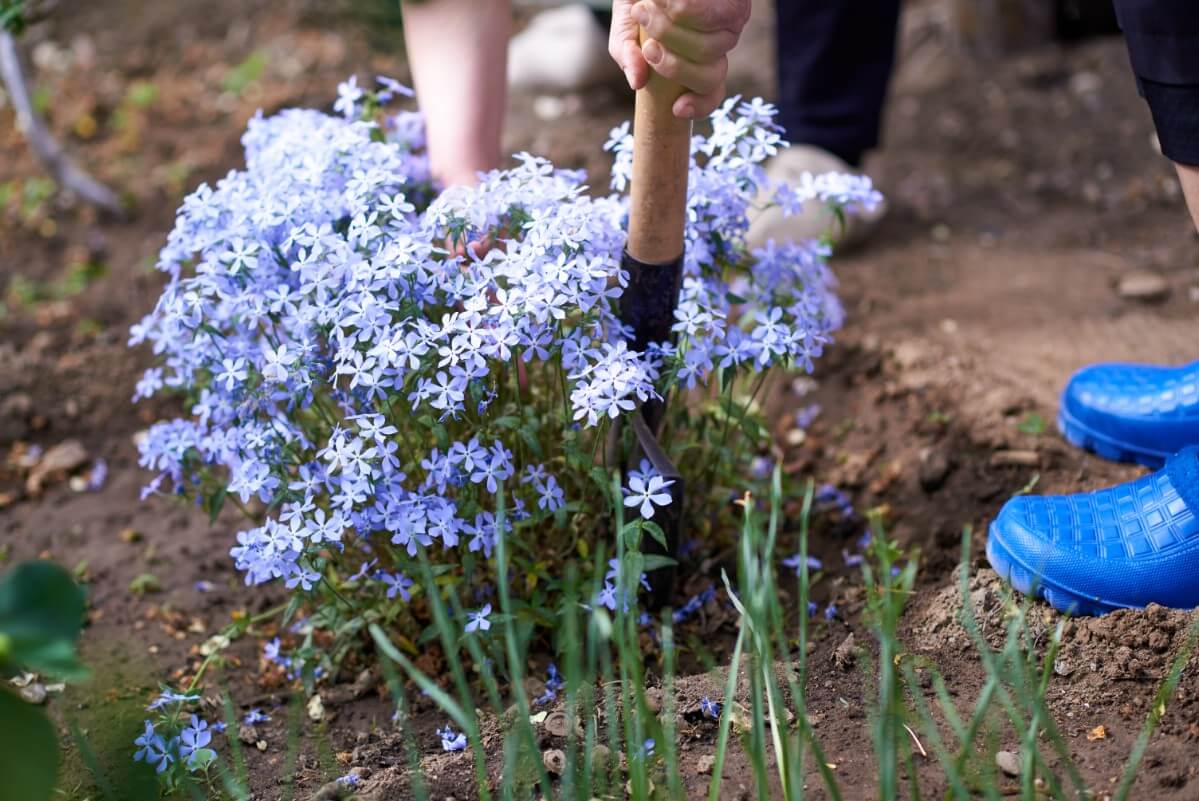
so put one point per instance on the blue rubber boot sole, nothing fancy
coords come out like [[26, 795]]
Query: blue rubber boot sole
[[1029, 582], [1081, 436]]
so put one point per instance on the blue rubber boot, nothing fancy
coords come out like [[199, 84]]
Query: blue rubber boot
[[1132, 412], [1118, 548]]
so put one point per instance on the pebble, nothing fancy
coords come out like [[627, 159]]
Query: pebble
[[796, 437], [248, 734], [1008, 762], [34, 693], [316, 708], [705, 764], [62, 458], [1085, 82], [1145, 287], [934, 469]]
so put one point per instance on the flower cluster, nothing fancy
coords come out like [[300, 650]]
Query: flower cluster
[[373, 391], [176, 740]]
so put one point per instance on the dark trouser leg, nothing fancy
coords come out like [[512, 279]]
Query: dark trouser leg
[[1163, 46], [835, 59]]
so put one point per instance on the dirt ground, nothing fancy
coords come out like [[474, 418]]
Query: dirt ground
[[1033, 228]]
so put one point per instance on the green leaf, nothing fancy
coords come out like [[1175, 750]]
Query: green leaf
[[216, 502], [28, 750], [145, 583], [1032, 424], [530, 438], [657, 562], [41, 614], [656, 532]]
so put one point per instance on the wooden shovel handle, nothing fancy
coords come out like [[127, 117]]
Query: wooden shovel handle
[[661, 158]]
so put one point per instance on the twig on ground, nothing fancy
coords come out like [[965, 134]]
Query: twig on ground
[[45, 147]]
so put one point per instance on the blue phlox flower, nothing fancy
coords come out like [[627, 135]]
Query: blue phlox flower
[[477, 620], [451, 740]]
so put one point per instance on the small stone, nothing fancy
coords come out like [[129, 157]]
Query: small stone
[[34, 693], [1015, 459], [705, 764], [1007, 762], [796, 437], [934, 469], [554, 760], [548, 107], [1145, 287], [260, 745], [316, 708], [62, 458], [1085, 82], [248, 734]]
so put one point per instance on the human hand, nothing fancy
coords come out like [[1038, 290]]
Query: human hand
[[686, 41]]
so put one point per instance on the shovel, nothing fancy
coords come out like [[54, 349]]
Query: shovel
[[653, 259]]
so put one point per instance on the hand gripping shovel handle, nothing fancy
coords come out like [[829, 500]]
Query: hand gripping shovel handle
[[653, 259]]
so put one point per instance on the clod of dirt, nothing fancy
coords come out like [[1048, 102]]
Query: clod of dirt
[[61, 459], [555, 724], [846, 654], [15, 412], [705, 764], [1015, 459], [934, 469], [554, 760], [1007, 762], [1144, 287]]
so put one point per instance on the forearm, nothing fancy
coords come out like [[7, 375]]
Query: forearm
[[458, 52]]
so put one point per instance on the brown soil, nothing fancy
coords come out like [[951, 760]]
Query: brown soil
[[1020, 193]]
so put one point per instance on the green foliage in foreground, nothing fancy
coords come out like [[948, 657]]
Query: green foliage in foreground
[[12, 16], [41, 613], [766, 688], [764, 702]]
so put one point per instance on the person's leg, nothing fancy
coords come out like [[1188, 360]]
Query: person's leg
[[457, 50], [834, 65], [1136, 543], [1188, 176], [835, 59]]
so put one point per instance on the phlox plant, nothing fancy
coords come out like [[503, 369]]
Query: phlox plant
[[371, 386]]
